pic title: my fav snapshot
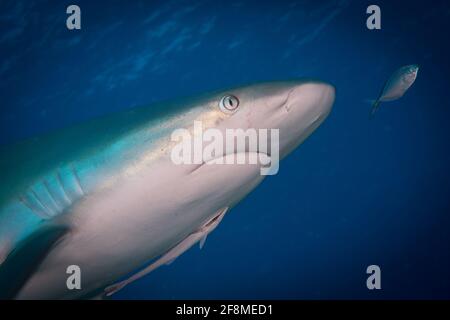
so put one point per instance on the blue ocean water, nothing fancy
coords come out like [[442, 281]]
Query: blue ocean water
[[357, 192]]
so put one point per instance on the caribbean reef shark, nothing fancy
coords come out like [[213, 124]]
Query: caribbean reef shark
[[105, 195]]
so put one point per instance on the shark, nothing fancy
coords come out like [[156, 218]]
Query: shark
[[105, 196]]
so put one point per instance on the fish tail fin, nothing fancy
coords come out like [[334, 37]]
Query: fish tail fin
[[375, 106]]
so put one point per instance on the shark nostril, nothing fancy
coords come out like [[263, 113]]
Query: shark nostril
[[286, 104]]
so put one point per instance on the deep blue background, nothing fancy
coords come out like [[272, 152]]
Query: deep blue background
[[357, 192]]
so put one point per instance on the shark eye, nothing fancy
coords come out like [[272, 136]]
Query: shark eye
[[229, 103]]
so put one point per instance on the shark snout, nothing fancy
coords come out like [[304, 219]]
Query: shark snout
[[328, 95], [307, 106], [313, 99]]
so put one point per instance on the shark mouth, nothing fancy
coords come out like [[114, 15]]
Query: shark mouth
[[262, 158]]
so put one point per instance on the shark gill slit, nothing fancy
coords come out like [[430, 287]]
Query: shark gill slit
[[77, 180], [63, 190], [37, 211], [52, 197], [46, 209]]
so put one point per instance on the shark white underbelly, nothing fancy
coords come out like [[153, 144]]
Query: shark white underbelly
[[162, 207]]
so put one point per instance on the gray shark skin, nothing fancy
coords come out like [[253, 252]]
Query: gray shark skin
[[111, 184]]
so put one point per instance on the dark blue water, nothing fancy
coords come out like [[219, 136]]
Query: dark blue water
[[357, 192]]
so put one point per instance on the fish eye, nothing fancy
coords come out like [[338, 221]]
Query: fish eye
[[229, 103]]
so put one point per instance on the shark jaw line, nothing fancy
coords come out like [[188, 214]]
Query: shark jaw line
[[263, 157], [236, 146]]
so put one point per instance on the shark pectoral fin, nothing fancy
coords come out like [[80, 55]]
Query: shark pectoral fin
[[175, 252], [23, 261]]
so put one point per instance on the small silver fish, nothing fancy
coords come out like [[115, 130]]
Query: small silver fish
[[399, 82]]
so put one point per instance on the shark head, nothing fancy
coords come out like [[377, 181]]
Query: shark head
[[293, 108]]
